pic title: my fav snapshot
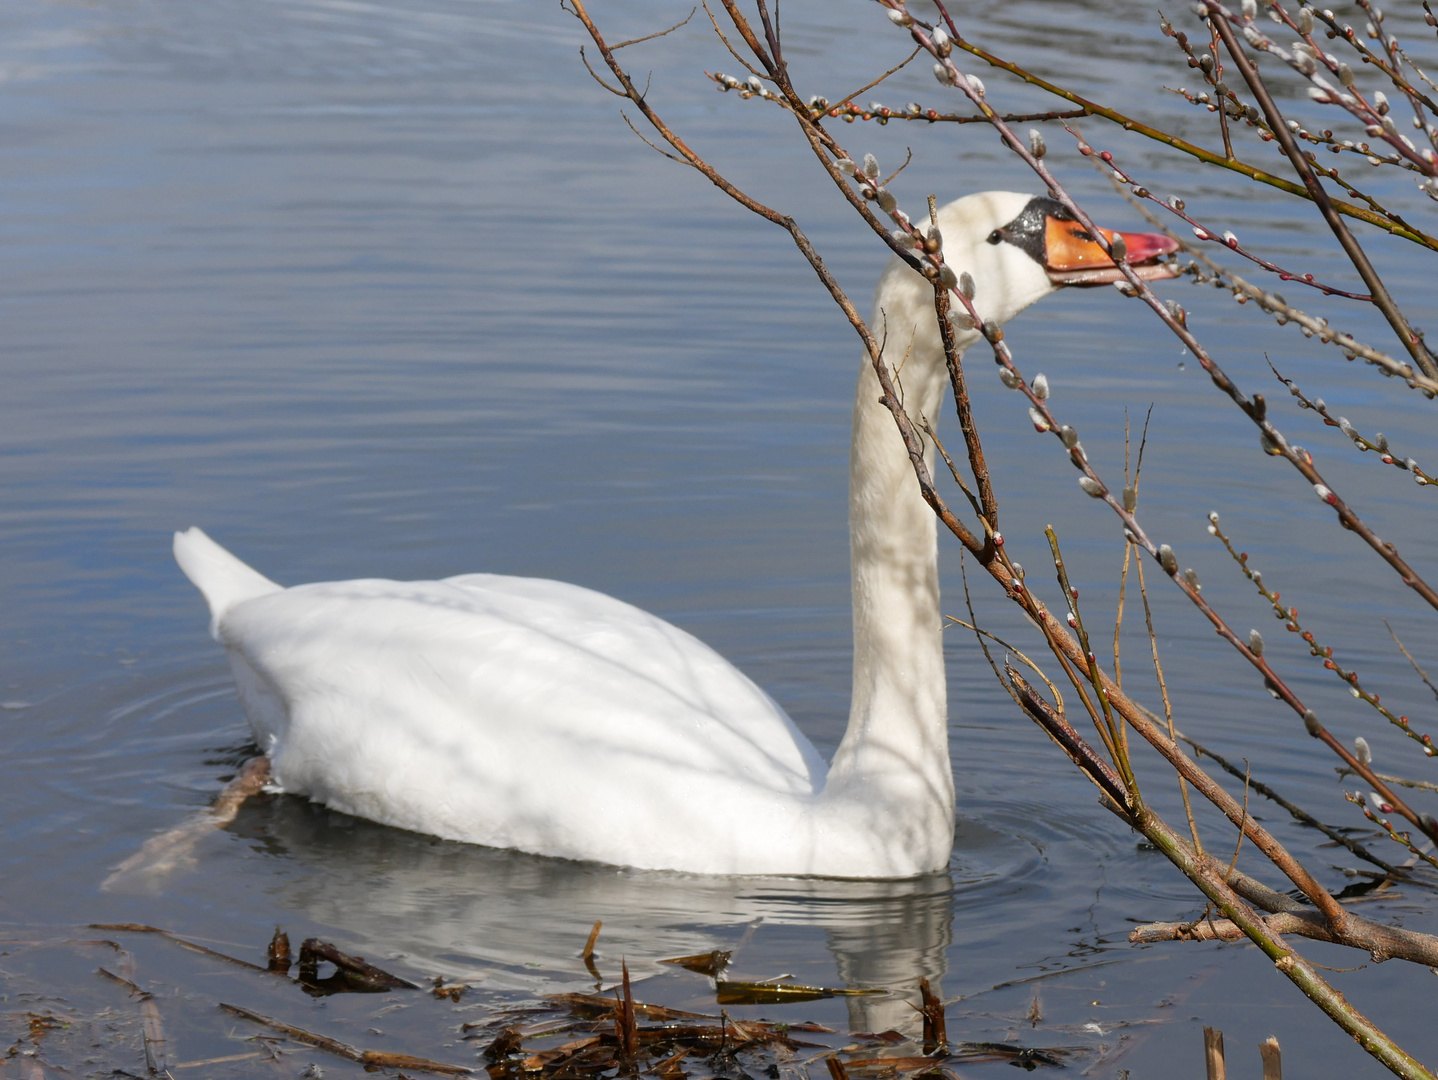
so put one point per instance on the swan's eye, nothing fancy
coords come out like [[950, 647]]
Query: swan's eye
[[1084, 234], [996, 237]]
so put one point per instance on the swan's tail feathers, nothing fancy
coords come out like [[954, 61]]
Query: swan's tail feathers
[[223, 579]]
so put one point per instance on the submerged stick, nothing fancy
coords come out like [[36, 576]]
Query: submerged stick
[[151, 1028], [141, 928], [161, 854], [377, 1059]]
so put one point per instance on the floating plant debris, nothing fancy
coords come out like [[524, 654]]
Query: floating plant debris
[[709, 963], [773, 993]]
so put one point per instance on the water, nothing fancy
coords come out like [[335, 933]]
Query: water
[[391, 290]]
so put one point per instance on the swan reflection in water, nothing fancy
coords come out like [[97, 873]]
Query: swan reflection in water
[[507, 921]]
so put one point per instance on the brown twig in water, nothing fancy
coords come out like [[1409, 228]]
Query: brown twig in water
[[140, 928], [936, 1030], [152, 1031], [374, 1059]]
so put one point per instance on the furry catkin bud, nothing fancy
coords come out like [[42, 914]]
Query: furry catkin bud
[[1345, 74], [933, 240], [1429, 823], [947, 277], [1091, 487], [943, 44], [1167, 559], [1036, 417], [900, 18], [1041, 387], [886, 200], [1037, 146], [1190, 575], [1380, 102], [1250, 9], [1310, 723], [1130, 499], [845, 166], [976, 84], [1305, 21], [1362, 751], [871, 166], [966, 285], [1255, 643], [1008, 378], [1118, 247], [1068, 436], [941, 72]]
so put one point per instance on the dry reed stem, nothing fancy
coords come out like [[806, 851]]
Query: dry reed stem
[[1272, 1059]]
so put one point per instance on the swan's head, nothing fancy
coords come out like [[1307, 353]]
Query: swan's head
[[1018, 249]]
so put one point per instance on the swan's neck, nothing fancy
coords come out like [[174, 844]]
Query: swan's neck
[[895, 754]]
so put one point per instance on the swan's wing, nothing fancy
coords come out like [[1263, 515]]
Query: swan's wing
[[508, 711]]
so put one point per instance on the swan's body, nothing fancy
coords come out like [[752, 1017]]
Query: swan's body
[[536, 715]]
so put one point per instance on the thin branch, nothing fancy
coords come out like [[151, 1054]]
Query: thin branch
[[1297, 811], [657, 34], [1421, 673], [869, 86], [732, 51], [658, 150], [1381, 298], [1128, 123], [585, 61]]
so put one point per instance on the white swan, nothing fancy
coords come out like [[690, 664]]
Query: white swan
[[531, 714]]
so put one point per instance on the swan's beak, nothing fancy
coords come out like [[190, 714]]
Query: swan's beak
[[1073, 257]]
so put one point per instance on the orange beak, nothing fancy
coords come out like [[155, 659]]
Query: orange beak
[[1073, 257]]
